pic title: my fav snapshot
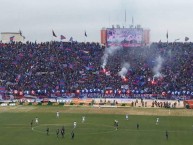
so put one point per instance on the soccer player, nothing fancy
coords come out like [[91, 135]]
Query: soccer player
[[47, 130], [137, 125], [72, 134], [57, 114], [36, 120], [157, 121], [63, 131], [31, 123], [75, 124], [57, 132], [166, 134], [116, 124], [83, 119], [126, 116]]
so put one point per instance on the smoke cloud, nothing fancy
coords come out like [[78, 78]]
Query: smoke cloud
[[109, 51], [157, 68], [124, 70]]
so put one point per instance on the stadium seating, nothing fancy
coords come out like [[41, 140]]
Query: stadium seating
[[63, 68]]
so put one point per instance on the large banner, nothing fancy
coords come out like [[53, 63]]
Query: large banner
[[125, 37]]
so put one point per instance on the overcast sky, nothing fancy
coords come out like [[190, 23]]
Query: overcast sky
[[37, 18]]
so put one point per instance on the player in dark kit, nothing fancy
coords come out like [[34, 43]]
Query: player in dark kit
[[57, 132], [166, 134], [31, 123], [137, 125], [116, 124], [62, 131], [72, 134], [47, 130]]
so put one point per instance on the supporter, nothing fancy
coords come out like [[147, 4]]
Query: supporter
[[63, 68]]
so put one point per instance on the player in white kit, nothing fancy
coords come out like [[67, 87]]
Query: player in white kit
[[157, 121], [57, 114], [126, 116], [36, 120], [83, 119], [75, 124]]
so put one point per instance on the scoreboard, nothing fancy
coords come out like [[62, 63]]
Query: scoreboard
[[125, 37]]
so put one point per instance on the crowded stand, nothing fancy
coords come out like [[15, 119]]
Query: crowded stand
[[73, 69]]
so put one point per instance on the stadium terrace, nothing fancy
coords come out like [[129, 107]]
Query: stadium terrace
[[73, 69]]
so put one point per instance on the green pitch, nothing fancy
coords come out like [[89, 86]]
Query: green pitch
[[98, 129]]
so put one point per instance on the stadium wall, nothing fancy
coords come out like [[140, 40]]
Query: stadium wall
[[17, 37]]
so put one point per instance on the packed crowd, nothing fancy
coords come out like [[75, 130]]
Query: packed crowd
[[72, 67]]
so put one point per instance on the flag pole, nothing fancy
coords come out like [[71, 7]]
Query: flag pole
[[125, 17], [85, 35], [51, 39]]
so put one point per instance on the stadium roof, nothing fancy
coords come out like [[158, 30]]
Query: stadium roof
[[10, 32]]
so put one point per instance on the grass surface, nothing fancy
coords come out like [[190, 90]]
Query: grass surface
[[98, 128]]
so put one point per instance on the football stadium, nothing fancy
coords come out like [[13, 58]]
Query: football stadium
[[124, 89]]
